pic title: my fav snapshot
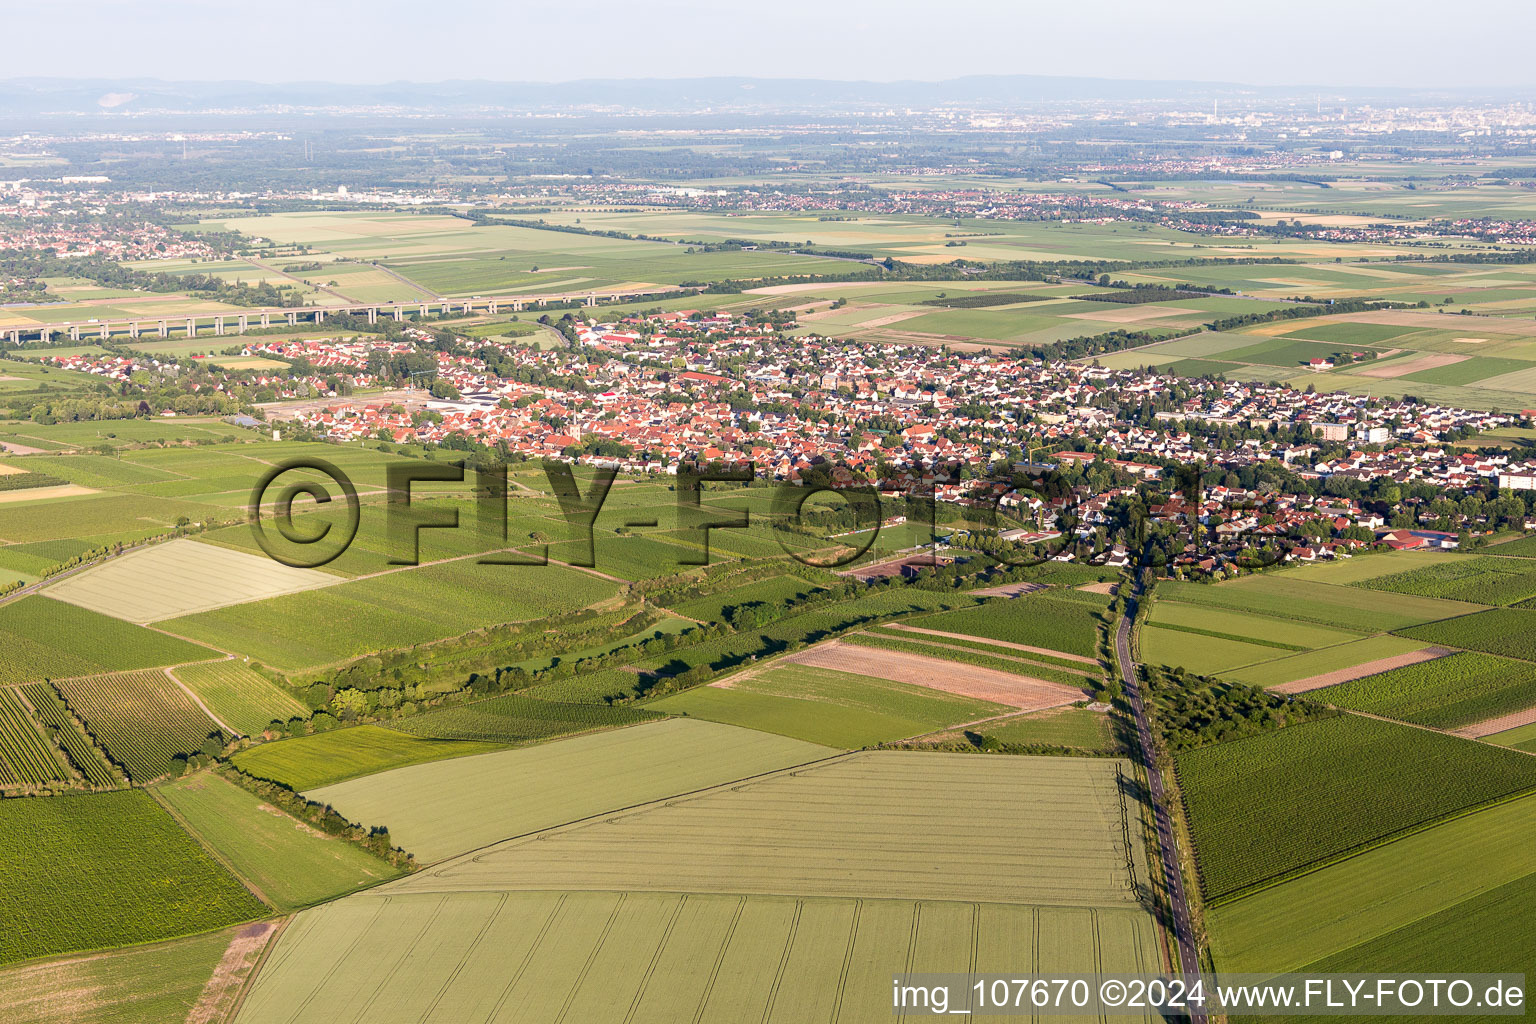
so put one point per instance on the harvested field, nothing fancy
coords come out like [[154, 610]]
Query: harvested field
[[1369, 668], [1401, 368], [952, 677], [9, 470], [440, 809], [879, 821], [38, 493], [661, 958], [181, 578], [893, 318], [1101, 588]]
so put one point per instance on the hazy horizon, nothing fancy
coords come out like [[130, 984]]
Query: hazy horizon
[[1314, 43]]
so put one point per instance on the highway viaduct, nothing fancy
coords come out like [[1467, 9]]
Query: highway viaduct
[[238, 322]]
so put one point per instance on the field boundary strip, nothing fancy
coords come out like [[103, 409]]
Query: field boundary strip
[[1433, 652]]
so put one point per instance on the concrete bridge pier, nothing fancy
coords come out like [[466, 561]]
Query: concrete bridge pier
[[191, 326], [373, 314], [218, 325], [492, 308], [245, 323], [106, 331], [399, 314], [319, 316], [74, 333], [266, 319], [165, 329], [133, 329], [293, 319]]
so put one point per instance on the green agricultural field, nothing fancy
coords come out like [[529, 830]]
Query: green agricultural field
[[1446, 693], [305, 762], [1284, 927], [1264, 630], [440, 810], [1480, 580], [118, 854], [83, 755], [601, 686], [1521, 547], [182, 578], [513, 718], [1327, 659], [1523, 738], [770, 591], [26, 756], [285, 860], [956, 641], [1507, 631], [242, 698], [835, 709], [398, 609], [672, 909], [1367, 567], [142, 719], [817, 623], [658, 958], [1057, 727], [143, 985], [931, 646], [1207, 655], [51, 639], [1489, 933], [1286, 597], [1284, 801], [1034, 620]]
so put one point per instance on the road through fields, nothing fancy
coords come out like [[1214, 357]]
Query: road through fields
[[1189, 954]]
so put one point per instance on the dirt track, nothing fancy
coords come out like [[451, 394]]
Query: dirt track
[[1017, 691], [1503, 723], [1369, 668]]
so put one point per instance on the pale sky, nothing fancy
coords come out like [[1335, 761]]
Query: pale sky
[[1280, 42]]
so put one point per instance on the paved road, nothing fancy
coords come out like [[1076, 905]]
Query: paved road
[[1189, 955]]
